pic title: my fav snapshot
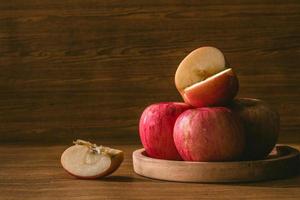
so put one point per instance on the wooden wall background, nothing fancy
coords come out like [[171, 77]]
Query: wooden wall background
[[86, 69]]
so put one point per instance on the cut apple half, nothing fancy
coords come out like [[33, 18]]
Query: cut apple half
[[216, 90], [198, 66], [88, 161]]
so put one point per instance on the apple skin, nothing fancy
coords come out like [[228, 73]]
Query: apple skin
[[156, 129], [215, 91], [209, 134], [261, 124]]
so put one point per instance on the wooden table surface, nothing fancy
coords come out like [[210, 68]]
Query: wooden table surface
[[28, 172], [87, 69]]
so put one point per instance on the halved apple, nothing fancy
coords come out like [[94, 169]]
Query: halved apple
[[88, 161], [216, 90], [203, 80], [198, 66]]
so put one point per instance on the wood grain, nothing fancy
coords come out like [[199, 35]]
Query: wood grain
[[87, 69], [34, 172], [282, 163]]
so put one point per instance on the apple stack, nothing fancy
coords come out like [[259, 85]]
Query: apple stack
[[210, 125]]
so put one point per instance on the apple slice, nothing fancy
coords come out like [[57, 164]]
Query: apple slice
[[88, 161], [216, 90], [198, 66]]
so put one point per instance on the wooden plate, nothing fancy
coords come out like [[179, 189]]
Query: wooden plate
[[282, 162]]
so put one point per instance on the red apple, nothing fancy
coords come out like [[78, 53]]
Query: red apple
[[88, 161], [261, 124], [156, 129], [218, 89], [202, 79], [209, 134]]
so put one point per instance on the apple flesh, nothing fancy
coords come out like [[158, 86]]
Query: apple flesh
[[203, 80], [216, 90], [89, 161], [261, 125], [209, 134], [156, 129], [199, 65]]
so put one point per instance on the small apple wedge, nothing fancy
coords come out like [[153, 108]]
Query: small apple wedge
[[216, 90], [88, 161]]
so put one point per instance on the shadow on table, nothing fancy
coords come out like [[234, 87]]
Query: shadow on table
[[292, 182], [122, 179]]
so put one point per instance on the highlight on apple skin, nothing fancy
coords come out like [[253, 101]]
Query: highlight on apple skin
[[217, 90], [156, 129], [261, 124], [209, 134], [203, 80], [85, 160]]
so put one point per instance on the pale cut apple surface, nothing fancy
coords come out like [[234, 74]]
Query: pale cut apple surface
[[216, 90], [89, 161], [198, 66]]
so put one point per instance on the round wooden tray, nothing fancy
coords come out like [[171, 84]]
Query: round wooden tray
[[282, 162]]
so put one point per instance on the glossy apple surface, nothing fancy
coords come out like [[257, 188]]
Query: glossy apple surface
[[261, 125], [209, 134], [156, 129]]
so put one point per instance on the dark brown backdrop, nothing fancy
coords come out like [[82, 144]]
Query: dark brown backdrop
[[87, 69]]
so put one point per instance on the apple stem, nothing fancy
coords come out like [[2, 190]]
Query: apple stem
[[94, 148]]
